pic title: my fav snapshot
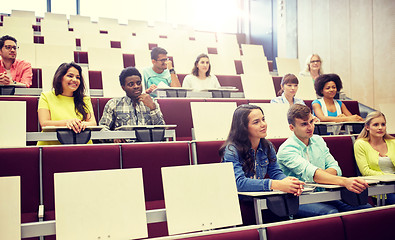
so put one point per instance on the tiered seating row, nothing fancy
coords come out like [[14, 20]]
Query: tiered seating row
[[170, 108], [37, 165], [356, 225]]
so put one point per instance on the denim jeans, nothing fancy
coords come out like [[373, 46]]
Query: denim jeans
[[316, 209]]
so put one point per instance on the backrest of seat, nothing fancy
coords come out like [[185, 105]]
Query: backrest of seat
[[75, 158], [102, 103], [95, 80], [239, 101], [277, 84], [178, 111], [341, 148], [207, 151], [277, 142], [251, 234], [327, 229], [352, 106], [24, 162], [151, 157], [252, 101], [369, 225], [95, 105], [31, 110]]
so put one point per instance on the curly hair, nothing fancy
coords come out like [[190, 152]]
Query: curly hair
[[79, 94], [323, 79], [127, 72], [238, 137]]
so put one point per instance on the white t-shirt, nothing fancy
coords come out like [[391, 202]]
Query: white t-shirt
[[191, 81]]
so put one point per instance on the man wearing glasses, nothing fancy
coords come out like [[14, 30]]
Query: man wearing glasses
[[136, 108], [12, 70], [161, 71]]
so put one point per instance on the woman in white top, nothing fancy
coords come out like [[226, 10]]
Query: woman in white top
[[328, 109], [313, 66], [289, 87], [201, 78]]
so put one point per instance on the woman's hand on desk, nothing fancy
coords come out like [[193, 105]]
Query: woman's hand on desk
[[76, 125], [289, 185]]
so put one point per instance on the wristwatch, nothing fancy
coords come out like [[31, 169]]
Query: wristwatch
[[172, 71]]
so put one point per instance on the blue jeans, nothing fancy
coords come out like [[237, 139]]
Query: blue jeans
[[317, 209], [390, 199]]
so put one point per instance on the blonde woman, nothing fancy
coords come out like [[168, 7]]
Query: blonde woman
[[313, 66], [374, 149]]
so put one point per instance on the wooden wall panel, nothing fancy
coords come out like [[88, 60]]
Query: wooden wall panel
[[384, 48], [340, 41], [305, 31], [361, 37], [321, 32]]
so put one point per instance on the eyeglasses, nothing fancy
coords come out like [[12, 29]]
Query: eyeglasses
[[162, 60], [8, 47], [315, 61]]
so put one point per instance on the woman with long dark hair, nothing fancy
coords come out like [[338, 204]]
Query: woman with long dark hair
[[66, 105], [201, 78], [253, 156]]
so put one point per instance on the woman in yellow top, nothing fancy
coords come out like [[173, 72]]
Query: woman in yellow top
[[66, 105], [374, 149]]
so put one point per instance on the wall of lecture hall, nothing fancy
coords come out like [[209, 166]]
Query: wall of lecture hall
[[356, 39]]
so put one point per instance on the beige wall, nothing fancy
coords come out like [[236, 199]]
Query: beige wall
[[356, 40]]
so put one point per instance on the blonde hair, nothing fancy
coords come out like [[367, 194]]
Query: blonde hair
[[365, 133], [308, 59]]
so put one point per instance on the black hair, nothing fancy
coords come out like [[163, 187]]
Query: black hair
[[323, 79], [127, 72], [5, 38]]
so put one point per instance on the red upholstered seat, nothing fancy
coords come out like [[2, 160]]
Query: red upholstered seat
[[207, 152], [31, 111], [128, 60], [369, 225], [37, 78], [95, 105], [322, 229], [102, 103], [237, 100], [24, 162], [277, 84], [341, 148], [251, 234], [81, 57], [258, 101], [178, 111], [239, 67], [95, 80], [115, 44], [73, 159], [277, 142]]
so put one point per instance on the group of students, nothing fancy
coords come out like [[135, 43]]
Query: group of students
[[302, 158]]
